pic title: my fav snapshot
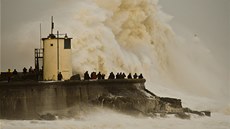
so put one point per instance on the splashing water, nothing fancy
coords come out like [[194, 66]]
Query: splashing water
[[107, 119], [133, 36], [119, 36]]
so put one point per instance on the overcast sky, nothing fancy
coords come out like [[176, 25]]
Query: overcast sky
[[209, 19]]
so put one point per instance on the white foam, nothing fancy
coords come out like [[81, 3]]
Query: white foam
[[109, 120]]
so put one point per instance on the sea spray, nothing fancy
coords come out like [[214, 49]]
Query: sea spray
[[129, 37], [105, 40], [134, 37], [107, 119]]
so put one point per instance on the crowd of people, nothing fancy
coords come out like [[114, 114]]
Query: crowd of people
[[87, 76], [120, 75], [24, 71], [15, 74]]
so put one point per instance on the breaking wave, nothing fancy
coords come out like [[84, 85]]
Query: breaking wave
[[134, 37]]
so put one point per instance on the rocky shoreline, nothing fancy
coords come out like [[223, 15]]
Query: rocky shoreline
[[135, 101], [149, 105]]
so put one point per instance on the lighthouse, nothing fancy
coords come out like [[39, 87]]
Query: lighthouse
[[56, 55]]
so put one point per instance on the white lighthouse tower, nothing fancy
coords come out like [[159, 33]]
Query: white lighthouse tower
[[57, 56]]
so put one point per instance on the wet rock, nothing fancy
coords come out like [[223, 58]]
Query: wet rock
[[48, 116], [183, 115], [152, 115], [200, 113], [163, 115], [176, 103], [193, 112], [207, 113]]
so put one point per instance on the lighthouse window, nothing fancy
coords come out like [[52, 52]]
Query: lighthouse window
[[67, 44]]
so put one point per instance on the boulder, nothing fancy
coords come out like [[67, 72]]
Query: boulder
[[48, 116]]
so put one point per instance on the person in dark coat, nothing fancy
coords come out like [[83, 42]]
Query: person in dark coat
[[31, 69], [24, 70], [123, 75], [129, 76], [86, 76], [117, 76], [9, 75], [111, 75], [99, 76], [60, 77], [93, 75], [103, 76], [141, 76], [15, 72], [135, 76]]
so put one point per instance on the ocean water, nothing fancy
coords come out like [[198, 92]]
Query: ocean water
[[111, 120], [133, 36]]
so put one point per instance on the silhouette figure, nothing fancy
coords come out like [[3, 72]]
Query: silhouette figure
[[141, 76], [129, 76], [60, 76], [15, 72], [99, 76], [117, 76], [24, 70], [103, 76], [123, 75], [9, 75], [93, 75], [111, 75], [86, 76], [30, 69], [135, 76]]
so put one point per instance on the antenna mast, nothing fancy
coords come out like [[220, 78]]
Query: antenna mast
[[40, 35], [52, 24]]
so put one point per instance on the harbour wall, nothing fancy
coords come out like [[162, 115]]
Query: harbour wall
[[27, 100]]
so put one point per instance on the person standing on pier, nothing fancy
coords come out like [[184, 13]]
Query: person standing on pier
[[60, 77]]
